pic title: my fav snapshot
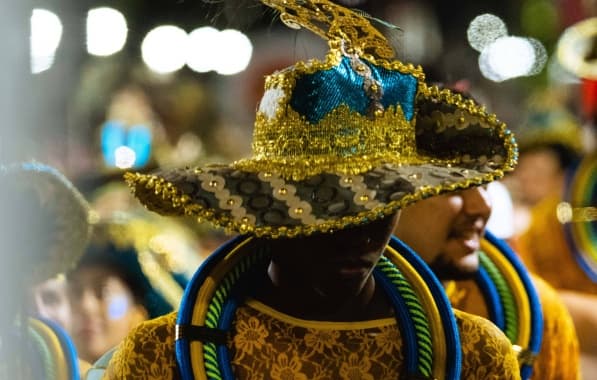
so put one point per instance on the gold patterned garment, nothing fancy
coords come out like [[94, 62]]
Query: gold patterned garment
[[544, 250], [559, 355], [271, 345]]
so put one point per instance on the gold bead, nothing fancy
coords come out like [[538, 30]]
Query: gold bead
[[230, 202], [364, 198], [213, 184], [282, 191], [347, 180], [244, 219], [298, 210]]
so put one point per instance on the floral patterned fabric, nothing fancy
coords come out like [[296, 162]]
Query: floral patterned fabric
[[269, 345], [558, 358]]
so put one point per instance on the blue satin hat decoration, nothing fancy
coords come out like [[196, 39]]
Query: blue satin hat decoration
[[316, 95]]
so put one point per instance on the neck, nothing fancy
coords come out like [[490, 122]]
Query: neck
[[293, 294]]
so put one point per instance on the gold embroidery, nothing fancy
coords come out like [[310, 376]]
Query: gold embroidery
[[344, 141]]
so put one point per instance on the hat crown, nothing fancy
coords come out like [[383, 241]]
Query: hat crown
[[345, 114]]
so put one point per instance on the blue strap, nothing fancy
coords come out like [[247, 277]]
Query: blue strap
[[185, 313]]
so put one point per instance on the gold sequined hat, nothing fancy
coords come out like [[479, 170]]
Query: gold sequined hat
[[339, 142]]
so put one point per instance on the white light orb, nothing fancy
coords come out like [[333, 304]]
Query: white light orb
[[46, 33], [485, 29], [106, 31], [202, 55], [164, 49], [235, 52], [125, 157], [506, 58]]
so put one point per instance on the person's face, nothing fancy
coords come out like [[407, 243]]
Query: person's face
[[337, 263], [446, 231], [539, 174], [104, 311], [51, 301]]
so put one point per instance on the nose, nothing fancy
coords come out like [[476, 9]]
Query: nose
[[477, 203], [88, 302]]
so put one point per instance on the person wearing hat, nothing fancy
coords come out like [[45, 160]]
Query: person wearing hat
[[116, 285], [483, 276], [43, 228], [314, 286]]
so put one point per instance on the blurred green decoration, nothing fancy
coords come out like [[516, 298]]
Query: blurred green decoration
[[539, 19]]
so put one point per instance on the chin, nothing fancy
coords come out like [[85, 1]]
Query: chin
[[464, 269]]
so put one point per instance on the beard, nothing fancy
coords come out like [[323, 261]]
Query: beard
[[462, 269]]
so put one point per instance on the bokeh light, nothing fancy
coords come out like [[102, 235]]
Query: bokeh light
[[46, 33], [512, 57], [235, 53], [164, 49], [124, 157], [106, 31], [484, 30], [203, 49], [227, 52]]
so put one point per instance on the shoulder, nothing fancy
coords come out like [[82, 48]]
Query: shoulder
[[147, 351], [486, 352]]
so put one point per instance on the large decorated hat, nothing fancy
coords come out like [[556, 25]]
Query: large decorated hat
[[46, 221], [340, 141], [547, 122]]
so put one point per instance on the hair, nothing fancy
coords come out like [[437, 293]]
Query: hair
[[123, 262], [566, 156]]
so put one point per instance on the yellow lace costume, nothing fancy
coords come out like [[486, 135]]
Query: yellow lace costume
[[544, 250], [559, 355], [267, 344]]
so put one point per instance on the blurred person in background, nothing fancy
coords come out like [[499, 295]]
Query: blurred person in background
[[50, 299], [550, 142], [563, 254], [45, 220], [118, 283]]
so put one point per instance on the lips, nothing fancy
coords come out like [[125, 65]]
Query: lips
[[88, 331], [351, 268]]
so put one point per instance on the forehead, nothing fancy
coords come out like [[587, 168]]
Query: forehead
[[93, 274]]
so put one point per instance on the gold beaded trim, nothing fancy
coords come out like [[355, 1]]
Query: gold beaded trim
[[342, 142]]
